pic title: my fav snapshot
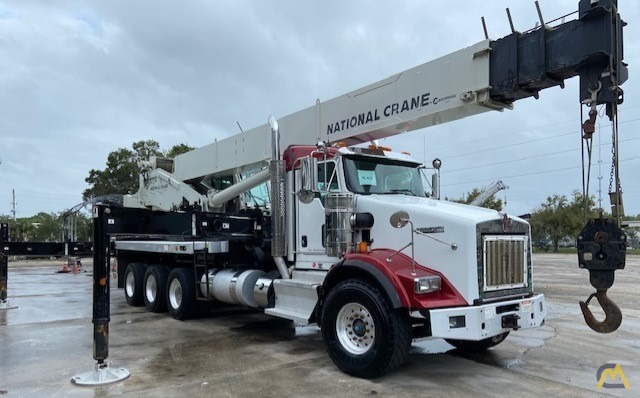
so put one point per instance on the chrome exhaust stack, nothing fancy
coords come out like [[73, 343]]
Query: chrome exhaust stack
[[278, 188]]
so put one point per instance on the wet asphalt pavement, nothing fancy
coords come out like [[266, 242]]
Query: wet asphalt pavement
[[232, 352]]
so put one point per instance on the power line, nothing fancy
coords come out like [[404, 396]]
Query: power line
[[493, 137], [529, 174], [528, 157], [526, 142], [524, 130]]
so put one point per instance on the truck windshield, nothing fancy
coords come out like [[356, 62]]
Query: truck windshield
[[367, 175]]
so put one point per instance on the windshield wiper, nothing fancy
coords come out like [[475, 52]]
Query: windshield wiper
[[403, 191]]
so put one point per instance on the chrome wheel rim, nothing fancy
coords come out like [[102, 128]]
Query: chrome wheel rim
[[175, 294], [130, 284], [151, 289], [355, 328]]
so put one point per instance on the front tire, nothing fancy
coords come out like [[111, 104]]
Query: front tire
[[155, 288], [364, 336], [133, 277], [477, 346], [181, 293]]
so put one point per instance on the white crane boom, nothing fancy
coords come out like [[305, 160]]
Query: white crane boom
[[489, 75], [445, 89]]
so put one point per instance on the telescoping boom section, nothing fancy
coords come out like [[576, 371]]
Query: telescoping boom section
[[489, 75], [301, 219]]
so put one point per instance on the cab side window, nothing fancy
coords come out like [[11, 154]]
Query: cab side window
[[327, 181]]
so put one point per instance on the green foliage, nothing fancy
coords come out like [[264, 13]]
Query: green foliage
[[121, 173], [43, 227], [19, 230], [559, 219], [46, 227], [118, 177], [178, 149], [491, 203], [84, 227], [79, 223], [633, 233]]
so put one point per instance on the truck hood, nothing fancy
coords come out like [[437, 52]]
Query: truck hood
[[448, 242], [414, 204]]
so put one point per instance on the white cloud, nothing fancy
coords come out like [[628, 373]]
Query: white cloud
[[82, 79]]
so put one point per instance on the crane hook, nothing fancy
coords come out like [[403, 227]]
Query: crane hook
[[613, 315]]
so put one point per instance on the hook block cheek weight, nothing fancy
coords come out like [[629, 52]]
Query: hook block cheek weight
[[602, 247]]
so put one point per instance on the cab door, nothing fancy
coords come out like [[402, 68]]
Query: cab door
[[310, 220]]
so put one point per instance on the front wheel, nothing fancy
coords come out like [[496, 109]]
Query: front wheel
[[181, 293], [363, 334], [478, 346]]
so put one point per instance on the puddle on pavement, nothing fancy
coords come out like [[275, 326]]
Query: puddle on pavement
[[488, 357], [240, 346], [272, 329], [439, 346]]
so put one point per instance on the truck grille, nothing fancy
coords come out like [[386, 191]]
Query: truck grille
[[505, 261]]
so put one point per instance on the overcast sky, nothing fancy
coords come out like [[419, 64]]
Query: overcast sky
[[80, 79]]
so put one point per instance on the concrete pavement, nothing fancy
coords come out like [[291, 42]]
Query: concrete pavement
[[236, 352]]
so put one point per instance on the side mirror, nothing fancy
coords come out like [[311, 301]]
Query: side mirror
[[309, 168], [399, 219]]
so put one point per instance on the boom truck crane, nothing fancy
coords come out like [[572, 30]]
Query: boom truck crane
[[296, 219], [487, 193]]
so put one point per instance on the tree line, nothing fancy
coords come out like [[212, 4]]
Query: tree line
[[120, 176], [47, 227], [557, 221]]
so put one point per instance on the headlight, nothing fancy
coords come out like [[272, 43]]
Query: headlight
[[426, 284]]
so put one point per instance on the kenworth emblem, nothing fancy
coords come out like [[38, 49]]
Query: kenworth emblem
[[505, 223], [431, 230]]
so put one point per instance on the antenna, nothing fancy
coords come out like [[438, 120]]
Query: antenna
[[240, 127], [484, 28]]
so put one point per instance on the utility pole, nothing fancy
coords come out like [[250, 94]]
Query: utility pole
[[13, 204]]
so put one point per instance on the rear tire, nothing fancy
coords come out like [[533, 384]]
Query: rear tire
[[133, 277], [181, 293], [155, 288], [477, 346], [363, 334]]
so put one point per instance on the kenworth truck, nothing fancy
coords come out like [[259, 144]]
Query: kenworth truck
[[307, 218]]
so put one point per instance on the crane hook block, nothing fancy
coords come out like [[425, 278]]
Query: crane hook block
[[602, 248]]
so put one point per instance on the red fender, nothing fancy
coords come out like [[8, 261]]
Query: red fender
[[398, 274]]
